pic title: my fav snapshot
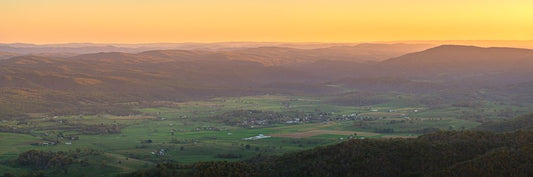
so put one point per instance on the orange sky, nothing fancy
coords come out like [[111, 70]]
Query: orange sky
[[145, 21]]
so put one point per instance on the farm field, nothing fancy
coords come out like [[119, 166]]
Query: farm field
[[215, 130]]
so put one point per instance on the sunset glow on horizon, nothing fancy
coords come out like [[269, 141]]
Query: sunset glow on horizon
[[146, 21]]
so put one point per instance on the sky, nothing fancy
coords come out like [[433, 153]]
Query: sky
[[151, 21]]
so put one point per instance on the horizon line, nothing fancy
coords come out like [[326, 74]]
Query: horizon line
[[287, 42]]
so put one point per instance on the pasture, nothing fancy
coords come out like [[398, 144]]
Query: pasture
[[196, 131]]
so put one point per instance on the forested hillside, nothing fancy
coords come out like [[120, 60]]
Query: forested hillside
[[524, 122], [98, 82], [444, 153]]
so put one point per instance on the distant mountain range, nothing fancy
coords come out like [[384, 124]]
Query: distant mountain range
[[277, 53], [465, 60], [176, 75], [84, 48]]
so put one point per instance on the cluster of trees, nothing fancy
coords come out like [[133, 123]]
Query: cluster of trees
[[183, 141], [524, 122], [384, 130], [61, 160], [396, 126], [425, 130], [229, 156], [443, 153], [99, 129], [469, 104], [11, 129], [38, 160]]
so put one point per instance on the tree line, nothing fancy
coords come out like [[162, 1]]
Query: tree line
[[442, 153]]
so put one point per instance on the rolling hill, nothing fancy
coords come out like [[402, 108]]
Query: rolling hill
[[6, 55], [177, 75], [360, 53], [462, 62]]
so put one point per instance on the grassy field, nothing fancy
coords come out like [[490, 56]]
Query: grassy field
[[187, 132]]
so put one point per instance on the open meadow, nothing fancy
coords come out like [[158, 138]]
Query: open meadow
[[218, 129]]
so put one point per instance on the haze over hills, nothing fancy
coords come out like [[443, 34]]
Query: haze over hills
[[295, 51], [375, 47], [6, 55], [183, 46], [187, 74], [355, 53]]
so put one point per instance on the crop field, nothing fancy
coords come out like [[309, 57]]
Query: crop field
[[216, 130]]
